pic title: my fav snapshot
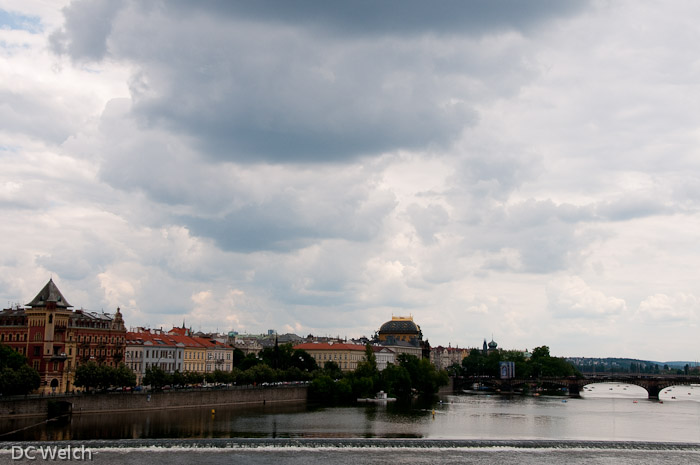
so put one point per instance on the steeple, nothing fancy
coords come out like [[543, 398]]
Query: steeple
[[49, 295], [118, 321]]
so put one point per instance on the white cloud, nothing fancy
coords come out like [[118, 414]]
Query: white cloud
[[571, 297], [529, 173], [665, 309]]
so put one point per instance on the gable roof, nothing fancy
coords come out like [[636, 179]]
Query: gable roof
[[49, 294]]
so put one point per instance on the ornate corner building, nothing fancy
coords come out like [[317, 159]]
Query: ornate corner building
[[56, 339]]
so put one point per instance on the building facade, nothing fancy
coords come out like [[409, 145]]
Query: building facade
[[346, 356], [445, 357], [56, 339]]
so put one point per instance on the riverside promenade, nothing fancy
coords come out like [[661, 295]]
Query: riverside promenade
[[84, 403]]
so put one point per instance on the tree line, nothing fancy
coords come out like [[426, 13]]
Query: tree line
[[329, 384], [410, 377], [540, 364]]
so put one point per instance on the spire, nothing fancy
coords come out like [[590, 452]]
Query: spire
[[49, 295], [118, 321]]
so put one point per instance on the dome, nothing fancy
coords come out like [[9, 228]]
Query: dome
[[492, 344], [400, 326]]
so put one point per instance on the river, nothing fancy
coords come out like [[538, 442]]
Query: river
[[603, 427]]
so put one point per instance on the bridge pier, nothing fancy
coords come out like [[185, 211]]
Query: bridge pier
[[653, 391], [574, 390]]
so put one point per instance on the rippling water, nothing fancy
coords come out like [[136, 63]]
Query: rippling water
[[460, 429], [379, 451]]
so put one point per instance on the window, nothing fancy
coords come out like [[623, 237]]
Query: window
[[37, 351]]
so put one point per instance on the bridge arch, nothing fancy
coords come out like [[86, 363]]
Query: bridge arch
[[653, 384], [617, 387]]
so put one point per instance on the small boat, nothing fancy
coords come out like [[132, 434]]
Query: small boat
[[380, 397]]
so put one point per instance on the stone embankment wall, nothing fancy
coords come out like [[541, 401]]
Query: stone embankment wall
[[119, 402]]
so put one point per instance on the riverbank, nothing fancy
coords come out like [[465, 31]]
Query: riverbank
[[135, 401]]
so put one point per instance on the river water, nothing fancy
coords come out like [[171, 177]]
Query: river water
[[606, 426]]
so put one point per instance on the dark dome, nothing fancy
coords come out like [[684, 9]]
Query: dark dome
[[399, 326]]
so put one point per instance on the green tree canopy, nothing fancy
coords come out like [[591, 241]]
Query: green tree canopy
[[156, 377], [16, 377]]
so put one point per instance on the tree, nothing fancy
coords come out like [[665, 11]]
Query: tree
[[248, 362], [87, 375], [397, 382], [124, 376], [303, 361], [544, 365], [192, 377], [179, 379], [238, 357], [365, 379], [425, 378], [332, 369], [16, 377], [156, 377], [279, 356]]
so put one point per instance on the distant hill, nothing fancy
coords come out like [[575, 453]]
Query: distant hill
[[628, 365]]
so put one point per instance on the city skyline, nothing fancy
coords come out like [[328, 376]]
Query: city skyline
[[527, 170]]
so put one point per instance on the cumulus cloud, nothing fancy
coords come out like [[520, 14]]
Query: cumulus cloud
[[674, 309], [88, 24], [260, 85], [571, 297], [527, 170]]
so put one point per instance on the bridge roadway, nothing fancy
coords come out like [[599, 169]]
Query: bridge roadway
[[653, 384]]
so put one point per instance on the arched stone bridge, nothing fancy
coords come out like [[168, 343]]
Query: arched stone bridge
[[653, 384]]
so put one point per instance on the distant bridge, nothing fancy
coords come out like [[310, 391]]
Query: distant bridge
[[653, 384]]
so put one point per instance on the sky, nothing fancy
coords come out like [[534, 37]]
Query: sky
[[527, 172]]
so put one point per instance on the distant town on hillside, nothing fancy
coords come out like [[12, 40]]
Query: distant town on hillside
[[629, 365]]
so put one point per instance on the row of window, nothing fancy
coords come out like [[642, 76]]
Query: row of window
[[337, 357], [134, 354], [94, 352], [38, 336], [101, 339]]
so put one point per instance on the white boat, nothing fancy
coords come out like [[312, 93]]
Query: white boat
[[380, 397]]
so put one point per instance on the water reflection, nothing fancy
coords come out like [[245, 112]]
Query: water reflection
[[681, 393], [614, 390], [455, 417]]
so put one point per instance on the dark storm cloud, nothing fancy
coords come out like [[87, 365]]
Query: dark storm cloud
[[87, 27], [287, 223], [402, 17], [307, 81]]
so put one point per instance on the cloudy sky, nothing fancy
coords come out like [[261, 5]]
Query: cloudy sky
[[523, 170]]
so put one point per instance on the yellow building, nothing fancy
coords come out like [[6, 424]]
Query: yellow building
[[345, 355]]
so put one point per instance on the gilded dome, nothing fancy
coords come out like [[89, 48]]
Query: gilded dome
[[399, 326]]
